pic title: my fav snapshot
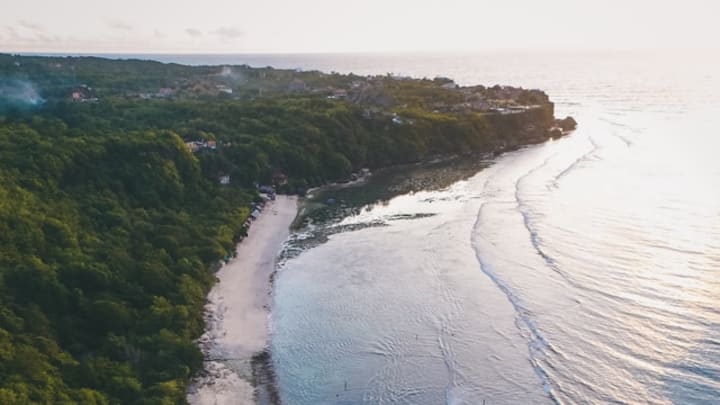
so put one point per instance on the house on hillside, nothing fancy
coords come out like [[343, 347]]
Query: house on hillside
[[297, 85], [266, 189], [165, 92], [279, 178], [338, 94], [78, 96], [223, 89], [196, 146], [193, 146], [224, 179], [82, 93]]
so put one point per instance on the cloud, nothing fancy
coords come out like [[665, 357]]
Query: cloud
[[228, 33], [29, 25], [12, 33], [159, 34], [119, 25], [38, 36], [193, 32]]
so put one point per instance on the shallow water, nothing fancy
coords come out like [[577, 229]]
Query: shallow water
[[583, 270]]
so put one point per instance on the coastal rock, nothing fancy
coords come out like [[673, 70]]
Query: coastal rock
[[567, 124]]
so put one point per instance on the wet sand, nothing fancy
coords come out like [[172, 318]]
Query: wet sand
[[238, 310]]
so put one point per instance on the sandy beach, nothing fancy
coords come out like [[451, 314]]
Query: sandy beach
[[238, 310]]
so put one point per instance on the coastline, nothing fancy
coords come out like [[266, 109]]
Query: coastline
[[237, 312]]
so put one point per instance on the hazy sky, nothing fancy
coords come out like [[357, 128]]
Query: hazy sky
[[227, 26]]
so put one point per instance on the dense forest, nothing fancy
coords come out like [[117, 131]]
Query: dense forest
[[113, 219]]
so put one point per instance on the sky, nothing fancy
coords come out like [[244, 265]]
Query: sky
[[279, 26]]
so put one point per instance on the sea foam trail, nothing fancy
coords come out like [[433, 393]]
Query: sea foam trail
[[524, 210], [576, 163], [537, 344]]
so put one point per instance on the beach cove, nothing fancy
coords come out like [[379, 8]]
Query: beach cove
[[238, 311]]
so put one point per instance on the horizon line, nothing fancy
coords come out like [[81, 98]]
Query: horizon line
[[362, 52]]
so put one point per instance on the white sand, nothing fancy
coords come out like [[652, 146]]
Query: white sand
[[238, 310]]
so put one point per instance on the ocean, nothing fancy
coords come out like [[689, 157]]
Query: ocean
[[582, 270]]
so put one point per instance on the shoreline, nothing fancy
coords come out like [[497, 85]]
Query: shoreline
[[238, 310], [237, 366]]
